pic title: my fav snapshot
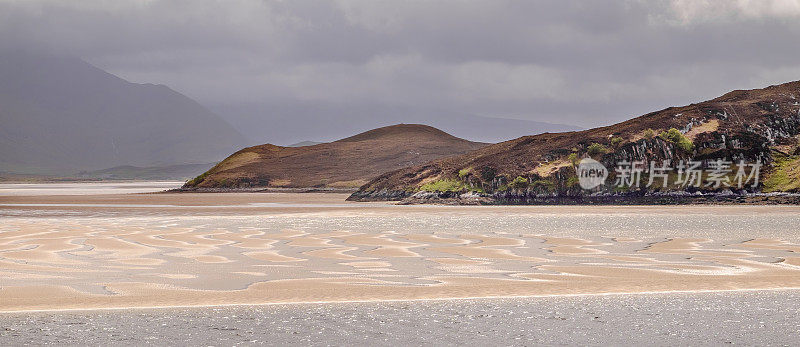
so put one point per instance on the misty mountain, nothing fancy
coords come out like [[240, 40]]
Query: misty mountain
[[304, 144], [61, 115], [127, 172], [288, 123]]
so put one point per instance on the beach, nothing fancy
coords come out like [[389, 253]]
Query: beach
[[90, 249], [706, 318]]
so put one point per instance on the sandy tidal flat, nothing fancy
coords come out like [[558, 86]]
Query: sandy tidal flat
[[750, 318], [144, 250]]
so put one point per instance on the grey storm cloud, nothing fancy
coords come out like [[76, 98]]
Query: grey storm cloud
[[586, 63]]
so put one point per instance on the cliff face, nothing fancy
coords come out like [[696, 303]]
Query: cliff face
[[754, 126], [347, 163]]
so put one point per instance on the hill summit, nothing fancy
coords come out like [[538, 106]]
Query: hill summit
[[346, 163]]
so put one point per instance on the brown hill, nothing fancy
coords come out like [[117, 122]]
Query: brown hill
[[347, 163], [760, 124]]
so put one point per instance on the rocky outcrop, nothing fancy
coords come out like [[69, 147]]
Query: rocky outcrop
[[382, 195]]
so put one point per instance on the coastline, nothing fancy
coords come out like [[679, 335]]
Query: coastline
[[511, 199], [631, 199]]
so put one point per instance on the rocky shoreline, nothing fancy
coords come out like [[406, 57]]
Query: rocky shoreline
[[509, 198], [638, 198]]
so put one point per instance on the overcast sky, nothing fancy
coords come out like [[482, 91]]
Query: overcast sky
[[585, 63]]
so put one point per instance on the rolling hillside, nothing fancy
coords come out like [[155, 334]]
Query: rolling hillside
[[346, 163]]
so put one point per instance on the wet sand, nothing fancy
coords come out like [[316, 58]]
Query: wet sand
[[752, 318], [111, 250]]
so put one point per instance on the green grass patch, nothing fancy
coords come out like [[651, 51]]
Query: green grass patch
[[616, 141], [572, 181], [785, 175], [596, 149], [546, 185], [444, 185], [197, 180], [519, 183], [574, 159], [476, 189], [682, 142]]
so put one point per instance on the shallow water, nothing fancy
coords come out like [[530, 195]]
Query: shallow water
[[86, 188]]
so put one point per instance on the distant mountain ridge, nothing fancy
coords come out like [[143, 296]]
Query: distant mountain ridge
[[282, 123], [346, 163], [304, 144], [128, 172], [62, 115]]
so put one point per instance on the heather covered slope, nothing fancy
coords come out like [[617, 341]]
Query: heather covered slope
[[61, 115], [347, 163], [751, 125]]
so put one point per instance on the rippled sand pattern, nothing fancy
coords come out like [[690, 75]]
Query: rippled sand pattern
[[120, 256]]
